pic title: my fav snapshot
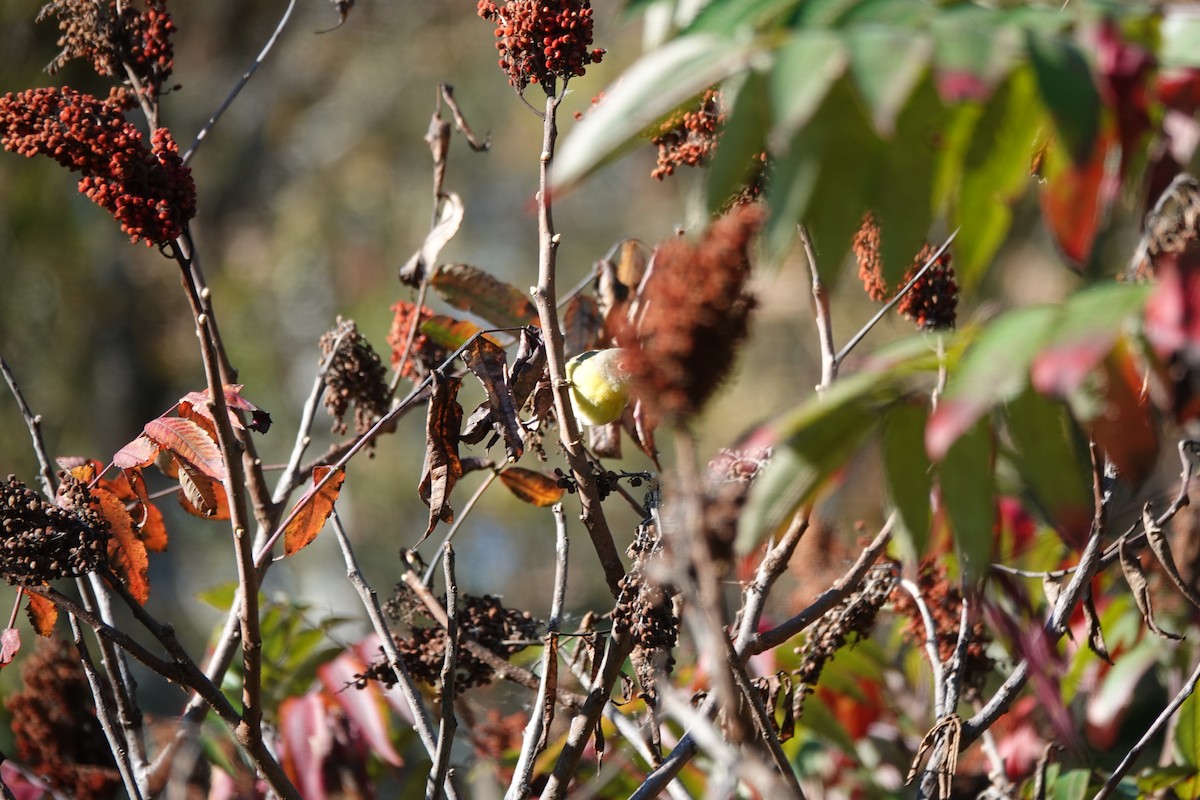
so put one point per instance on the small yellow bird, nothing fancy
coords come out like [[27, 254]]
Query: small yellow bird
[[599, 385]]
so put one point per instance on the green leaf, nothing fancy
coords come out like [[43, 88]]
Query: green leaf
[[994, 369], [1068, 90], [995, 169], [657, 84], [1071, 785], [805, 68], [814, 441], [908, 474], [742, 140], [1051, 461], [480, 293], [887, 63], [968, 491], [1187, 730], [724, 18]]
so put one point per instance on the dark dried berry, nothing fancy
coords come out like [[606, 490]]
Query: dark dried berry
[[44, 541]]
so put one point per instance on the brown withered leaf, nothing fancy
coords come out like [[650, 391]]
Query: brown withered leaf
[[201, 496], [617, 282], [486, 360], [42, 614], [581, 324], [194, 406], [450, 219], [189, 443], [442, 465], [605, 440], [531, 486], [139, 453], [1162, 550], [1136, 578], [314, 510], [126, 551], [551, 683], [528, 367], [473, 290], [1095, 632]]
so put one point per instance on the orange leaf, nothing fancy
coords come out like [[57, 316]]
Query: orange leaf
[[313, 510], [189, 443], [476, 291], [447, 332], [42, 613], [126, 551], [194, 406], [130, 487], [137, 454], [532, 487]]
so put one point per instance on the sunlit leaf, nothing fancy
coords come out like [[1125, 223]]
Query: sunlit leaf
[[447, 332], [364, 706], [42, 614], [1075, 199], [806, 66], [126, 551], [315, 507], [532, 487], [201, 496], [478, 292], [307, 739], [442, 465], [450, 217], [139, 453], [189, 443], [194, 406]]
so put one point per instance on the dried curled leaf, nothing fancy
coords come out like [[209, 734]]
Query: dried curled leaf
[[126, 550], [449, 221], [442, 465], [1095, 632], [1162, 550], [1136, 577], [194, 406], [531, 486], [487, 361], [473, 290], [315, 507]]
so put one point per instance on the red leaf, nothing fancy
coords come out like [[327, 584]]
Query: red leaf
[[307, 739], [1125, 430], [364, 707], [195, 404], [137, 454], [1077, 198], [1173, 311], [313, 511], [42, 614], [1123, 71], [189, 443], [1059, 369], [126, 551], [10, 643]]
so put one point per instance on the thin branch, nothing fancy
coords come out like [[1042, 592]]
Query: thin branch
[[754, 598], [890, 304], [829, 358], [34, 423], [241, 84], [521, 784], [1151, 732], [370, 601], [545, 298], [458, 521], [116, 742], [931, 647], [441, 758], [460, 122]]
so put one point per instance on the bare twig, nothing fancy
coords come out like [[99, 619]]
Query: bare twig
[[520, 786], [116, 742], [448, 724], [545, 298], [370, 601], [829, 358], [241, 84], [931, 647], [34, 423], [458, 521]]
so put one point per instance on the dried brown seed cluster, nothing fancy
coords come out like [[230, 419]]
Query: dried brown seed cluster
[[645, 613], [542, 40], [689, 138], [870, 265], [354, 375], [114, 35], [426, 355], [149, 191], [43, 541], [482, 618], [694, 311], [944, 601], [932, 303], [55, 727], [852, 619]]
